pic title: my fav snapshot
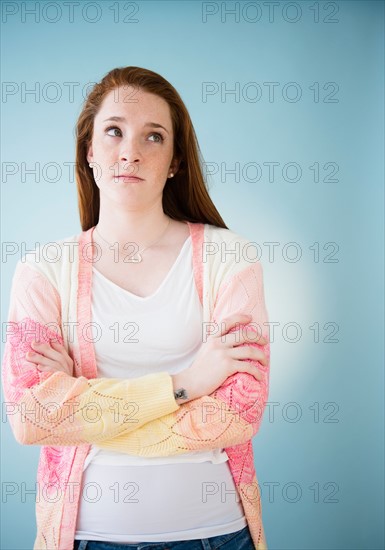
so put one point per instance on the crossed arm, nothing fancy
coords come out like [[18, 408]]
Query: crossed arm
[[229, 416]]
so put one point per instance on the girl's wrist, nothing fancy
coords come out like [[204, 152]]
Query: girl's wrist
[[183, 387]]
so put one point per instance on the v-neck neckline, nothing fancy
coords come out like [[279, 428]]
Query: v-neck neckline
[[162, 284], [84, 289]]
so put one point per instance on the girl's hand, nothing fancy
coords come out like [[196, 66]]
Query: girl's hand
[[219, 357], [50, 357]]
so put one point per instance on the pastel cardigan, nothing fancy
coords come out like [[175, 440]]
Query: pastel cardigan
[[51, 300]]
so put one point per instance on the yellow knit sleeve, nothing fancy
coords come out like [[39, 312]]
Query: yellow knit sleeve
[[53, 408]]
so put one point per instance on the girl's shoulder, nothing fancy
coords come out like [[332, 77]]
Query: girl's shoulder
[[228, 253], [224, 235]]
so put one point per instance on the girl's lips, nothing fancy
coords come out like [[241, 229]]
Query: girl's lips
[[130, 178]]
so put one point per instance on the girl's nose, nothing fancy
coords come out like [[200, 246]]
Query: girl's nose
[[130, 151]]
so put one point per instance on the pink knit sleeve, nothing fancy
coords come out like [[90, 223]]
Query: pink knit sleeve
[[244, 293], [53, 408], [232, 414]]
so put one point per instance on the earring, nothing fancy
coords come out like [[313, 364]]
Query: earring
[[171, 175]]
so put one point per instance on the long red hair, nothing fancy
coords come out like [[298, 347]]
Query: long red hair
[[185, 197]]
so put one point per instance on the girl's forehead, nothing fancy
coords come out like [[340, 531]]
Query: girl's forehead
[[136, 102]]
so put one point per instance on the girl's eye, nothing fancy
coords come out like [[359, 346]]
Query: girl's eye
[[159, 136], [112, 128]]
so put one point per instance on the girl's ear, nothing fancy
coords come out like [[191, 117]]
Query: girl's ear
[[175, 165], [90, 155]]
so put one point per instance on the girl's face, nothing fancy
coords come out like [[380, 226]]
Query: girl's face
[[138, 142]]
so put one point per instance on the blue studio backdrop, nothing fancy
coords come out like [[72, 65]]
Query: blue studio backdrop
[[287, 103]]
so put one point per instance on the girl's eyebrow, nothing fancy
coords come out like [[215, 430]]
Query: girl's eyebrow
[[122, 119]]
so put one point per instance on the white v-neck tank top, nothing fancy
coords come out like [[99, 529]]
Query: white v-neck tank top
[[133, 499]]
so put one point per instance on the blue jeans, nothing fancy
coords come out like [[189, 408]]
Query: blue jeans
[[239, 540]]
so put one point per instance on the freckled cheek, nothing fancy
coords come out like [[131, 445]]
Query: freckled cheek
[[156, 162]]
